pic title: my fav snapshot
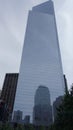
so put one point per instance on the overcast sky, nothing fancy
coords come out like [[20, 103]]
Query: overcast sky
[[13, 19]]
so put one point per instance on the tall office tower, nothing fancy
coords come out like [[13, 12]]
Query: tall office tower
[[66, 85], [9, 89], [41, 61], [0, 93]]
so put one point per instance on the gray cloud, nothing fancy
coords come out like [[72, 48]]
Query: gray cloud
[[65, 30]]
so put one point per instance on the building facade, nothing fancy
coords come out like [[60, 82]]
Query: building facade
[[9, 89], [41, 61], [0, 93]]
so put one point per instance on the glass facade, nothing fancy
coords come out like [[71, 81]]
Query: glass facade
[[41, 61]]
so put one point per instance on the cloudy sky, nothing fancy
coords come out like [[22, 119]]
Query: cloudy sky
[[13, 19]]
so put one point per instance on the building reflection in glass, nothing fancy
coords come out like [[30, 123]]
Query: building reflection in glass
[[42, 111], [56, 105]]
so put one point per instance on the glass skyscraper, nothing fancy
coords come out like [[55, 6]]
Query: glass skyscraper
[[41, 62]]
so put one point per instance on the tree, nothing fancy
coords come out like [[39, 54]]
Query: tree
[[64, 120]]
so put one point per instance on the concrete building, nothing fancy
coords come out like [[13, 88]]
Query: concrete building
[[41, 60], [66, 85], [9, 89]]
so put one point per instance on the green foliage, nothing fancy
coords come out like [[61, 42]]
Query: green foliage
[[52, 127], [5, 126], [19, 127], [22, 127], [41, 128], [64, 120], [29, 127]]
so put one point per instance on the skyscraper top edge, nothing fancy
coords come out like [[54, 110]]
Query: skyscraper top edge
[[46, 7]]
